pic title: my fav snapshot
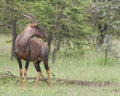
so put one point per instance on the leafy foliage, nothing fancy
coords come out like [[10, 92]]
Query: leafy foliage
[[66, 20]]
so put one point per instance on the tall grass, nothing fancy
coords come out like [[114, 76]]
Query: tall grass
[[88, 67]]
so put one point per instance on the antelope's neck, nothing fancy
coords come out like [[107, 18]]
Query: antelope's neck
[[22, 40], [26, 35]]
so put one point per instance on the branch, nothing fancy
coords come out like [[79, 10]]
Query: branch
[[8, 74]]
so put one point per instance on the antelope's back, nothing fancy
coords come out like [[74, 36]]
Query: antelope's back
[[38, 47]]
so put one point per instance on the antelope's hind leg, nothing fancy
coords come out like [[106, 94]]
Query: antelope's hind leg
[[38, 69], [20, 68], [47, 69]]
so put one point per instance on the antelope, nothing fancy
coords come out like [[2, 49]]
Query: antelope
[[31, 50]]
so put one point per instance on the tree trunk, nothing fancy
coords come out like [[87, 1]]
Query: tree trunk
[[14, 35], [107, 47], [49, 41], [58, 44], [55, 29], [57, 18]]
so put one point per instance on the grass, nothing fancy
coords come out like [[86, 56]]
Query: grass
[[76, 67], [13, 89]]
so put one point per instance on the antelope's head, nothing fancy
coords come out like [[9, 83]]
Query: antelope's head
[[33, 28], [36, 31]]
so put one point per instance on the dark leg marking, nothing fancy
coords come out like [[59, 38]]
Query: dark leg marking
[[25, 71], [47, 69], [37, 67], [19, 62], [20, 67]]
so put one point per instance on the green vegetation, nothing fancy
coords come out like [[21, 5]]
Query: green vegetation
[[85, 34], [86, 67]]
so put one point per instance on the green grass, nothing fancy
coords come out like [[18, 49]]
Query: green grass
[[88, 67], [12, 89]]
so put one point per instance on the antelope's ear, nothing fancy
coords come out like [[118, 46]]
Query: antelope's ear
[[33, 24]]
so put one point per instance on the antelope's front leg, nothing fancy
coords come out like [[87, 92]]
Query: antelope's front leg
[[25, 72], [20, 68]]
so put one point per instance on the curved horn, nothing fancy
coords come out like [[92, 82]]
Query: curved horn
[[29, 16]]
